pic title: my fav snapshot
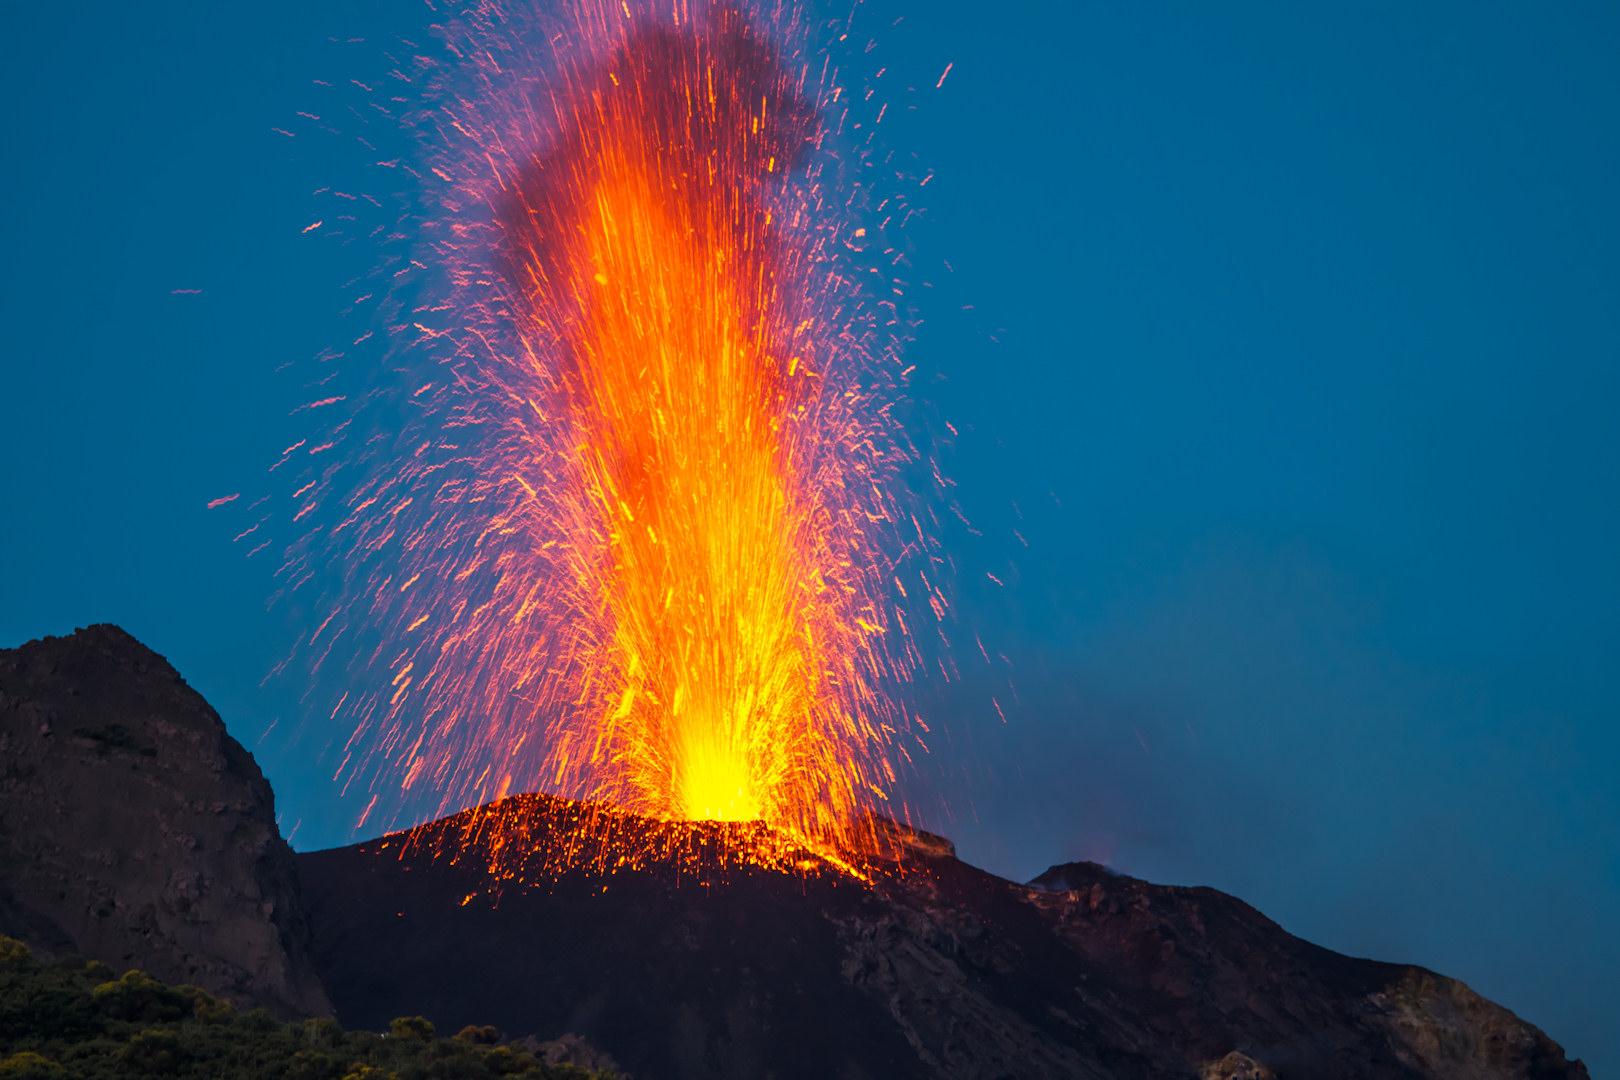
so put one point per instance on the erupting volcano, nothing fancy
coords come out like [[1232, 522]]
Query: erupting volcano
[[645, 542]]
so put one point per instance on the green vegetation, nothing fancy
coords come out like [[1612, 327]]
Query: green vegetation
[[76, 1021]]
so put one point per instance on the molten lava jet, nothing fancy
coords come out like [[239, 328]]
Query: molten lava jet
[[652, 532], [647, 257]]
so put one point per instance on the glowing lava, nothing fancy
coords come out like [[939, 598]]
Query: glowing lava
[[648, 514], [650, 258]]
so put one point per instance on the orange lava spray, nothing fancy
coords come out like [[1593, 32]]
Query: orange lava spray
[[642, 540]]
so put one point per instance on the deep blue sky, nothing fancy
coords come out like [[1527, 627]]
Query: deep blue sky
[[1294, 337]]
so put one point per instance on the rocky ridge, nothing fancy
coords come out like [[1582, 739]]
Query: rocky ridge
[[135, 831], [932, 969]]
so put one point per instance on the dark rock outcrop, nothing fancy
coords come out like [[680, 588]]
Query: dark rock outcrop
[[934, 969], [135, 831]]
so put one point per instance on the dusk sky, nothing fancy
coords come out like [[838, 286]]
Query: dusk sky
[[1283, 341]]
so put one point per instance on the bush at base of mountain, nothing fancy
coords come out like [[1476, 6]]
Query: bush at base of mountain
[[74, 1021]]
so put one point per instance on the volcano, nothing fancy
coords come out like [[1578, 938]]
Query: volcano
[[693, 967], [685, 962]]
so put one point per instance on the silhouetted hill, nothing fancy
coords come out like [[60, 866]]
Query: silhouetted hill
[[936, 969], [135, 831]]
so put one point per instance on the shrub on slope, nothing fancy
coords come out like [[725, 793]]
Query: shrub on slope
[[73, 1020]]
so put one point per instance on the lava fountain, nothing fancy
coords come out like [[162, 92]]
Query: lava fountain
[[644, 537]]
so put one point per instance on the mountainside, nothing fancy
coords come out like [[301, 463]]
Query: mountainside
[[935, 969], [135, 831]]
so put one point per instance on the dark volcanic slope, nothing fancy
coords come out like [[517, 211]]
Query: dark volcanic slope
[[939, 971], [135, 831]]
